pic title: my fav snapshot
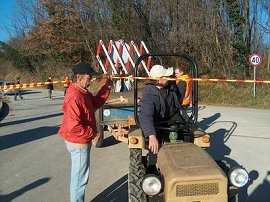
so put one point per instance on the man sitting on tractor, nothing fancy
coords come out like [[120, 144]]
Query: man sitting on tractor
[[160, 102]]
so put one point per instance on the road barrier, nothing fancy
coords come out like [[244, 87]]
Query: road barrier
[[194, 79], [42, 84], [30, 85]]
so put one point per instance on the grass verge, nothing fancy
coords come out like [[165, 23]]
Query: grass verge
[[235, 95]]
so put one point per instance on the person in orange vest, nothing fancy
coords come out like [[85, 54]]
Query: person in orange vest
[[184, 86], [66, 84]]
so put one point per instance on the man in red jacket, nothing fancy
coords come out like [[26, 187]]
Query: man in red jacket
[[79, 125]]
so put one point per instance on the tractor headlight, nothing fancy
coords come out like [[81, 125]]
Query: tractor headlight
[[151, 185], [238, 177]]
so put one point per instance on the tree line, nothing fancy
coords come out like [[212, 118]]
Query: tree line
[[50, 35]]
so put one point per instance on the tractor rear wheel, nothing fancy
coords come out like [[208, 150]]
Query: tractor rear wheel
[[135, 176]]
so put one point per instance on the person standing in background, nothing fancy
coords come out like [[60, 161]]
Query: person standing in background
[[184, 86], [50, 88], [17, 91]]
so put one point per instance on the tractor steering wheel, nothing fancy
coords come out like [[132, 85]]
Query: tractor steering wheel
[[174, 126]]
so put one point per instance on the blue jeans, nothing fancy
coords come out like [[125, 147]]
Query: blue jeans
[[17, 93], [50, 93], [80, 162]]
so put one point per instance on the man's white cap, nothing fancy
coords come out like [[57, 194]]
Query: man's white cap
[[160, 71]]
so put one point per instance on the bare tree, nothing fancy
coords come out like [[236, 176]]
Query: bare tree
[[219, 33]]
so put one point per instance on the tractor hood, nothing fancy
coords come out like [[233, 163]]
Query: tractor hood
[[190, 174]]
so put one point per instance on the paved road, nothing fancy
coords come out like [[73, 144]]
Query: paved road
[[35, 165]]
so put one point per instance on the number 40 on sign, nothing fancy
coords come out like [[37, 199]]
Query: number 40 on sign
[[255, 59]]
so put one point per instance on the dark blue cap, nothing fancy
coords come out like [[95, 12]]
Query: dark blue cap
[[84, 68]]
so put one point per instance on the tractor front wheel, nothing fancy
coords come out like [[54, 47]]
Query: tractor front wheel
[[135, 176]]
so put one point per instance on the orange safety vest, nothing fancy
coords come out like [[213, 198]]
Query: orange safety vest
[[187, 98]]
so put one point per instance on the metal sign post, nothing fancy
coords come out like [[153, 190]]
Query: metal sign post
[[254, 84], [255, 60]]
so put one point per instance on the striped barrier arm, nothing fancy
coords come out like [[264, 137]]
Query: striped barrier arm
[[42, 84], [30, 85], [195, 79]]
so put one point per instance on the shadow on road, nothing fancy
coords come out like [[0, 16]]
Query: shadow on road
[[262, 192], [220, 151], [218, 148], [45, 97], [110, 141], [5, 112], [22, 137], [30, 119], [15, 194], [25, 92], [117, 192], [206, 122], [36, 98]]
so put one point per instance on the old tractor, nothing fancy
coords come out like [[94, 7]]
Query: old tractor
[[182, 170]]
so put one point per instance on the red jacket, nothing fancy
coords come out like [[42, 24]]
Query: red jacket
[[79, 123]]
